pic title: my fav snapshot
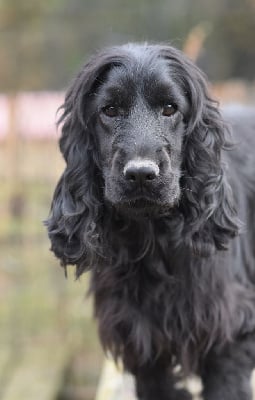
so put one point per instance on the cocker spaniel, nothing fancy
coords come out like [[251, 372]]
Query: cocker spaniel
[[157, 199]]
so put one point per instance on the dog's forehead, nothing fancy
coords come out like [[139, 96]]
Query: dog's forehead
[[140, 71], [138, 75], [152, 82]]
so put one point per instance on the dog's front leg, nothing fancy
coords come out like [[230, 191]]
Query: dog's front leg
[[154, 380], [227, 375], [157, 383]]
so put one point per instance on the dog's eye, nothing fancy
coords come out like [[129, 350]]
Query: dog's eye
[[111, 111], [169, 110]]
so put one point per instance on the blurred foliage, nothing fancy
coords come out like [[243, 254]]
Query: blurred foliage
[[46, 322], [42, 43]]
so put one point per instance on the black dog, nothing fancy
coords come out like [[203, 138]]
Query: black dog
[[159, 205]]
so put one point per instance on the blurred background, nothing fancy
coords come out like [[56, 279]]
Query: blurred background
[[48, 341]]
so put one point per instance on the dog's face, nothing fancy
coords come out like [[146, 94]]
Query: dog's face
[[140, 111]]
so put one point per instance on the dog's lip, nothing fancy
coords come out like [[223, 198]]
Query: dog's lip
[[139, 202], [143, 207]]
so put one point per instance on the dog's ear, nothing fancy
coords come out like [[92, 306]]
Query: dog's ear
[[207, 202], [76, 210]]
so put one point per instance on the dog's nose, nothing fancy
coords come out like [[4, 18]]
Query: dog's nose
[[141, 171]]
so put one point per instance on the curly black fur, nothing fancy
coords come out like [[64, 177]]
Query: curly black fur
[[172, 273]]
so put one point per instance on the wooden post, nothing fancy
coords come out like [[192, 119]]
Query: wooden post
[[16, 202]]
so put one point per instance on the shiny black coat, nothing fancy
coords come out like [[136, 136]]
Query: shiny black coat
[[172, 259]]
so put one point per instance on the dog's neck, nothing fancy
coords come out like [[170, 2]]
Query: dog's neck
[[140, 237]]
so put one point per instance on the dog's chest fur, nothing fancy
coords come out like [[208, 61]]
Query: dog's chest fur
[[158, 305]]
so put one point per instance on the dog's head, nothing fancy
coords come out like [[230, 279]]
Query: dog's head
[[141, 135], [139, 113]]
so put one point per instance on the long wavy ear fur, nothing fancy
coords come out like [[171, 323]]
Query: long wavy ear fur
[[76, 210], [207, 204]]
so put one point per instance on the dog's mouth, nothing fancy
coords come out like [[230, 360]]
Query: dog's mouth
[[141, 204], [142, 207]]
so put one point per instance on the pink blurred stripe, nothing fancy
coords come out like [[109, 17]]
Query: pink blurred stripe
[[35, 114], [4, 116]]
